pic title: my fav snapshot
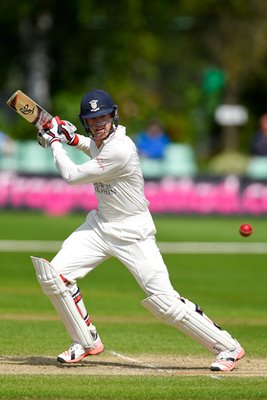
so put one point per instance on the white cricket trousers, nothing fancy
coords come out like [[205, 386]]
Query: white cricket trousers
[[132, 243]]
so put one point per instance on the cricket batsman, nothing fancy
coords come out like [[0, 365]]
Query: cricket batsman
[[121, 227]]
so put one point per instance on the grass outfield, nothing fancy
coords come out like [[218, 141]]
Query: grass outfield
[[144, 359]]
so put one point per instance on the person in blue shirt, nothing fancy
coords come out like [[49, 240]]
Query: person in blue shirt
[[259, 140], [152, 142]]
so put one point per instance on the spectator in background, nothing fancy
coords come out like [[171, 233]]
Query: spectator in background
[[6, 144], [152, 142], [259, 140]]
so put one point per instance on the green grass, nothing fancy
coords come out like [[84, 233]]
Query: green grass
[[35, 225], [231, 288], [152, 388]]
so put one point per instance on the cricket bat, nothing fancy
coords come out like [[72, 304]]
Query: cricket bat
[[29, 109]]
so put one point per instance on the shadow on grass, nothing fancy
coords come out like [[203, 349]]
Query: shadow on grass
[[48, 361]]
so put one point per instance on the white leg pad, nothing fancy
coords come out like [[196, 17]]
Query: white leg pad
[[175, 312], [54, 287]]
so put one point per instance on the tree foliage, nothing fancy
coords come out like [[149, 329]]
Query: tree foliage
[[174, 60]]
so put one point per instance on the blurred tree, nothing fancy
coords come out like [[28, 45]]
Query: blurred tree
[[174, 60], [234, 36]]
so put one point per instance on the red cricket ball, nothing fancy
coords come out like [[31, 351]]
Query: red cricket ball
[[245, 230]]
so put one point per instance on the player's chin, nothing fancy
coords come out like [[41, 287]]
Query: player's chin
[[100, 135]]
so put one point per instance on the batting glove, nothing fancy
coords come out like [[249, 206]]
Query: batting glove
[[60, 130], [45, 138], [65, 130], [68, 134]]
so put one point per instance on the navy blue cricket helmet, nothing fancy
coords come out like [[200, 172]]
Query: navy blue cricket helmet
[[95, 104]]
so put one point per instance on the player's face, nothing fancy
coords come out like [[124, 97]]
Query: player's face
[[100, 126]]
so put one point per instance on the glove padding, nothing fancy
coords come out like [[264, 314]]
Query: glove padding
[[67, 133], [65, 130], [60, 130], [45, 138]]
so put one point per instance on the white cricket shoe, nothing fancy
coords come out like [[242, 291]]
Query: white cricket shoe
[[226, 360], [77, 352]]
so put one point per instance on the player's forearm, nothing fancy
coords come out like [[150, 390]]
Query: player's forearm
[[65, 166], [84, 144], [88, 172]]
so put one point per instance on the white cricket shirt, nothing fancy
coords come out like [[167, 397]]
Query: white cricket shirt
[[115, 171]]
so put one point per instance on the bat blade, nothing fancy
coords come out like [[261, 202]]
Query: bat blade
[[29, 109]]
